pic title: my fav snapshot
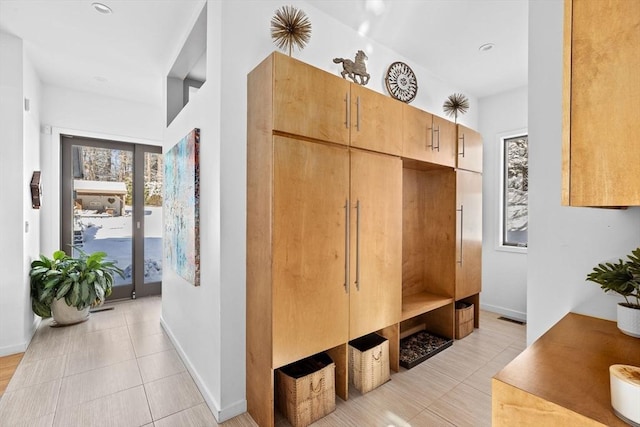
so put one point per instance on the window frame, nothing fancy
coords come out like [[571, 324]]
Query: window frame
[[501, 170]]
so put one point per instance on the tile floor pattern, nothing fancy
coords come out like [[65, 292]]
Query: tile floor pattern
[[120, 369]]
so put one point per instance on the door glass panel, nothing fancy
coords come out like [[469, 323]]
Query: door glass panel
[[153, 174], [102, 205]]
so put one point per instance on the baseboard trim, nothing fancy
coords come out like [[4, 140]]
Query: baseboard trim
[[512, 314], [13, 349], [220, 414]]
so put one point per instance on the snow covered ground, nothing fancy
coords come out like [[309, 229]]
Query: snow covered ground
[[113, 235]]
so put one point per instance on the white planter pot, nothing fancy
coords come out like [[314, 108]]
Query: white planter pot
[[629, 320], [66, 315]]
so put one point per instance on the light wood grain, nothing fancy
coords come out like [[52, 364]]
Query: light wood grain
[[376, 121], [604, 102], [310, 303], [339, 355], [468, 234], [416, 304], [8, 365], [392, 333], [427, 137], [572, 357], [469, 149], [566, 105], [376, 242], [259, 382], [308, 101]]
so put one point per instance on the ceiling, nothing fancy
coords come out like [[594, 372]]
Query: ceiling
[[125, 54]]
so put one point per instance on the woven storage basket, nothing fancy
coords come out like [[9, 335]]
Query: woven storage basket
[[306, 389], [464, 320], [369, 362]]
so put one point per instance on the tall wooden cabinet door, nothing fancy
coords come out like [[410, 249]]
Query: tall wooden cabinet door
[[444, 133], [310, 302], [309, 102], [376, 121], [469, 234], [469, 149], [376, 242], [601, 153]]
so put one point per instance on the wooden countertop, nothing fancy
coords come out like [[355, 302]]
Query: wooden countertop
[[569, 366]]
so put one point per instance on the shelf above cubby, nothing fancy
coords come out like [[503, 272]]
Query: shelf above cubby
[[422, 302]]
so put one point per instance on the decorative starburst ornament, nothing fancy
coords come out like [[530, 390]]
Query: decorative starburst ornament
[[290, 27], [456, 104]]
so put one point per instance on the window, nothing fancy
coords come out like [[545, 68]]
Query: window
[[515, 200]]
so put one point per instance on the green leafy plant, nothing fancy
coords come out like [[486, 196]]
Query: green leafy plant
[[622, 277], [85, 281]]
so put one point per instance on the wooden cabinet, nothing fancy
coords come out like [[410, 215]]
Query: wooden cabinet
[[469, 149], [468, 234], [376, 121], [601, 103], [310, 298], [375, 243], [427, 137]]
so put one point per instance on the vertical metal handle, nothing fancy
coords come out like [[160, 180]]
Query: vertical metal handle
[[438, 132], [430, 145], [358, 245], [347, 100], [346, 245], [461, 210], [358, 114], [462, 154]]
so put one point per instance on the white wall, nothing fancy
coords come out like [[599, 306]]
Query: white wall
[[75, 112], [19, 157], [564, 242], [208, 323], [504, 272]]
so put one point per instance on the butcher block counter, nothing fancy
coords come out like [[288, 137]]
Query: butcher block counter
[[563, 378]]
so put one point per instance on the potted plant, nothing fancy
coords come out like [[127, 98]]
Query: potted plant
[[67, 287], [623, 277]]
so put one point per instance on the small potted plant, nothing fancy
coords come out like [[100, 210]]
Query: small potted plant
[[623, 277], [67, 287]]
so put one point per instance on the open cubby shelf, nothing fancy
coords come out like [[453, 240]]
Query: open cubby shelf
[[422, 302]]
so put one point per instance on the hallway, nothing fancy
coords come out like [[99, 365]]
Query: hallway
[[120, 369]]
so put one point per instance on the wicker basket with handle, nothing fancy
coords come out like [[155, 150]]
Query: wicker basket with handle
[[369, 362]]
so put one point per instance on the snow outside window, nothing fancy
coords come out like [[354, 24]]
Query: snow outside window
[[515, 206]]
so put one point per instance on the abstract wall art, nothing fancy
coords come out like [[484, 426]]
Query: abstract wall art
[[181, 207]]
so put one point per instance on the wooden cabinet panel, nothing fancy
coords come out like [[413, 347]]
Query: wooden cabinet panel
[[428, 138], [309, 102], [310, 303], [469, 149], [376, 121], [376, 242], [601, 155], [469, 234]]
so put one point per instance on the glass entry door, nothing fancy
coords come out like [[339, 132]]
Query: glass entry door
[[112, 202]]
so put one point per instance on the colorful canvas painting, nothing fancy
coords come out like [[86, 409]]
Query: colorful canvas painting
[[181, 207]]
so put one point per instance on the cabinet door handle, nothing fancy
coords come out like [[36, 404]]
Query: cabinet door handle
[[346, 245], [347, 101], [358, 245], [461, 210], [358, 114], [437, 130], [431, 131], [462, 153]]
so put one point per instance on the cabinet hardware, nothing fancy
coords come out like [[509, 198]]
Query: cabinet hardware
[[358, 114], [430, 145], [346, 245], [347, 100], [438, 132], [461, 210], [462, 138], [358, 245]]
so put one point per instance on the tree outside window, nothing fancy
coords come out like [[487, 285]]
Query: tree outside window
[[515, 207]]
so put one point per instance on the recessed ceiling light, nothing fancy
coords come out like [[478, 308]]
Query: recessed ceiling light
[[486, 47], [102, 8]]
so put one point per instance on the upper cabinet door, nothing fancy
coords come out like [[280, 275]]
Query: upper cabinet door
[[310, 299], [469, 234], [376, 242], [309, 102], [601, 104], [376, 121], [444, 133], [469, 149], [417, 134]]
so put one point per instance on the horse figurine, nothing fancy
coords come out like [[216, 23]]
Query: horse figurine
[[355, 69]]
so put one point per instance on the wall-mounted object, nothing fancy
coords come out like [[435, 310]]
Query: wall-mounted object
[[35, 190], [290, 27], [456, 104], [401, 82], [353, 69]]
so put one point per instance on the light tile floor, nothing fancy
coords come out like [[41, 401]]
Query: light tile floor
[[120, 369]]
